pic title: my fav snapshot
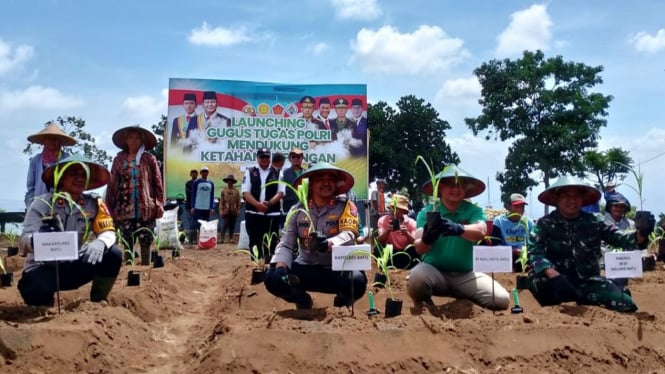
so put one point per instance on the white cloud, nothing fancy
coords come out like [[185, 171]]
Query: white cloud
[[144, 110], [464, 90], [364, 10], [219, 36], [529, 29], [37, 98], [12, 59], [426, 50], [320, 48], [646, 43]]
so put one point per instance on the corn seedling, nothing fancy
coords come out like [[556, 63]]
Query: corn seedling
[[656, 237], [129, 250], [253, 255], [434, 180], [639, 179], [383, 262], [12, 237]]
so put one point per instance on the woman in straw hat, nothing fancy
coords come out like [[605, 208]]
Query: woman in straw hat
[[99, 258], [566, 250], [52, 138], [135, 192], [445, 241]]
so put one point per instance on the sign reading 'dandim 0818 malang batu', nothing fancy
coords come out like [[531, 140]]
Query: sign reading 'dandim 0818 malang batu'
[[623, 264], [497, 259], [55, 246], [221, 124], [351, 257]]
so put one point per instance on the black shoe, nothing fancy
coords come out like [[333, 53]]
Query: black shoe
[[341, 300], [305, 304]]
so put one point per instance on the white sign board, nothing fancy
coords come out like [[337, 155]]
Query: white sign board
[[55, 246], [623, 264], [351, 257], [497, 259]]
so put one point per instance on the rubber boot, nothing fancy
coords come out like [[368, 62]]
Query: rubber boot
[[101, 287], [145, 254]]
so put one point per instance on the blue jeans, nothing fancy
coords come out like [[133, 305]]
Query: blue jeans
[[315, 278], [38, 285]]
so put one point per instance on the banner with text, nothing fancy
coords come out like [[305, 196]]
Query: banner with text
[[221, 124]]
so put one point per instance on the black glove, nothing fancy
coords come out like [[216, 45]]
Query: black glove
[[318, 242], [645, 222], [433, 228], [451, 228], [52, 224]]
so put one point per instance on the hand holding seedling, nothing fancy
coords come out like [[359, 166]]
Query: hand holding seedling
[[451, 228], [645, 223], [433, 228], [51, 224]]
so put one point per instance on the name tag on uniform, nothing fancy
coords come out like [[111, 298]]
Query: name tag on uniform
[[55, 246]]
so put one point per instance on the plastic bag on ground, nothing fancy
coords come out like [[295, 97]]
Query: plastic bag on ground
[[167, 230], [208, 234]]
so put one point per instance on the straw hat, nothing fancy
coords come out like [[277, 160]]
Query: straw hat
[[472, 186], [52, 131], [99, 176], [230, 178], [399, 201], [344, 179], [120, 137], [590, 195]]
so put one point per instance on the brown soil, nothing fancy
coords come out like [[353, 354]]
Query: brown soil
[[199, 314]]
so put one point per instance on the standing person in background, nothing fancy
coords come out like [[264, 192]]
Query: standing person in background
[[52, 138], [203, 203], [289, 176], [135, 192], [262, 216], [277, 162], [187, 215], [513, 228], [377, 203], [229, 206]]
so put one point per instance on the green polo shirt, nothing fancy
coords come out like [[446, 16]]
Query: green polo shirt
[[452, 253]]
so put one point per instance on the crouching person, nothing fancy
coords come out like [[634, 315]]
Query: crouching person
[[99, 258], [336, 223], [448, 230], [566, 248]]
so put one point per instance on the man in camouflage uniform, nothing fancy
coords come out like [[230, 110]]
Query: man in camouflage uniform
[[331, 221], [565, 249]]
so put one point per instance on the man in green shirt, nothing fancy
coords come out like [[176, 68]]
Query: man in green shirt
[[448, 228]]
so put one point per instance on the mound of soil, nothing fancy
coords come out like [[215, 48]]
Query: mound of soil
[[199, 314]]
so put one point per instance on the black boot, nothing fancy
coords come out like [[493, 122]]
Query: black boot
[[101, 287]]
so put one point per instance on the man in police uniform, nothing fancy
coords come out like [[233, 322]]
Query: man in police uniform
[[331, 221], [99, 257], [307, 107]]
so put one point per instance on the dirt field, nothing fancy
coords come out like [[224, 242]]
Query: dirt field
[[199, 314]]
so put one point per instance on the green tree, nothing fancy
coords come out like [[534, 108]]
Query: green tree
[[159, 129], [86, 144], [399, 136], [607, 166], [545, 106]]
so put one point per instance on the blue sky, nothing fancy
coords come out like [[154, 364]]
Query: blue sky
[[109, 62]]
